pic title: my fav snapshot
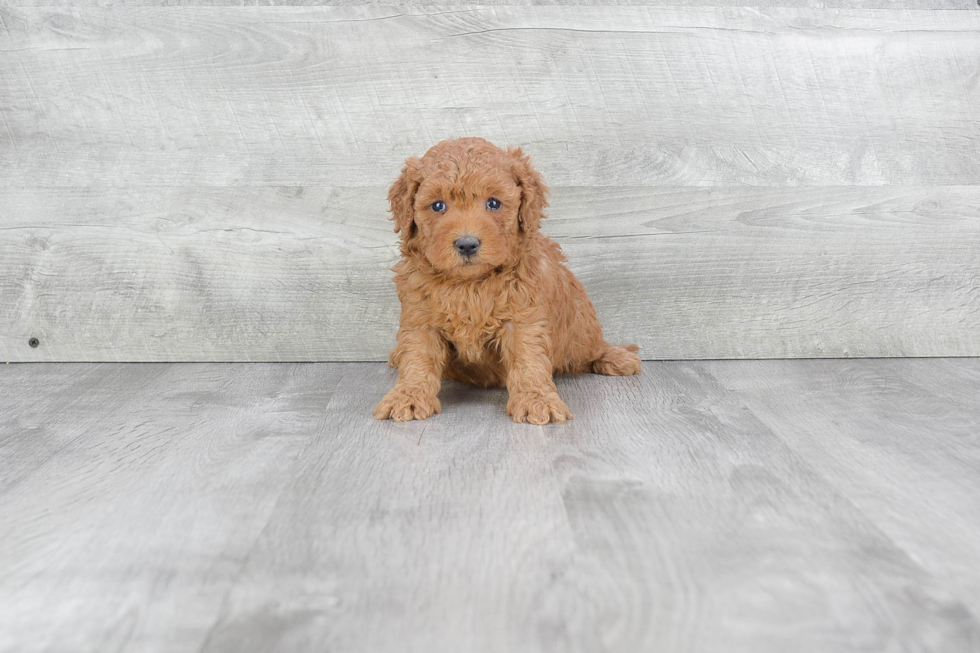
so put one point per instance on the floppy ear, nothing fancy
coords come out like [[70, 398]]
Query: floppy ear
[[401, 198], [533, 191]]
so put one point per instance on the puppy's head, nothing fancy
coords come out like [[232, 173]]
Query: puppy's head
[[466, 206]]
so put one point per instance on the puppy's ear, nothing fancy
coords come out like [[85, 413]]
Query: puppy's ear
[[401, 198], [533, 191]]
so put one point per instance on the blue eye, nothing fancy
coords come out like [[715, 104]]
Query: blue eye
[[493, 204], [439, 206]]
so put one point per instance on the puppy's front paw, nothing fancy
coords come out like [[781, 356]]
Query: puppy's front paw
[[535, 408], [406, 403]]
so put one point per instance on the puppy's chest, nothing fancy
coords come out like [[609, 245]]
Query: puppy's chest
[[472, 324]]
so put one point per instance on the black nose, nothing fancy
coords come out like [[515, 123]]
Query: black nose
[[467, 245]]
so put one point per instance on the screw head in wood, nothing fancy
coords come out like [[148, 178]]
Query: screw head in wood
[[34, 342]]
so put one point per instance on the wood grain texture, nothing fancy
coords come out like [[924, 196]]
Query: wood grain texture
[[280, 274], [206, 183], [899, 438], [424, 4], [131, 495], [601, 95], [664, 517], [747, 506], [775, 558], [46, 409]]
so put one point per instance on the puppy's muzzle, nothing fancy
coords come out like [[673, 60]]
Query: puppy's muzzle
[[467, 246]]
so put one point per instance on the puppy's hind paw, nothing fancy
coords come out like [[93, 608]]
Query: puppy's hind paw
[[403, 404], [618, 361], [538, 409]]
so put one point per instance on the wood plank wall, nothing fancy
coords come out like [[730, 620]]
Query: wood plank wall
[[182, 183]]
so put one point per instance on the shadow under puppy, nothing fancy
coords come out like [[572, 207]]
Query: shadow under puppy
[[485, 296]]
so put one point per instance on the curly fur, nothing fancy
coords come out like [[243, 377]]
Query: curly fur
[[512, 315]]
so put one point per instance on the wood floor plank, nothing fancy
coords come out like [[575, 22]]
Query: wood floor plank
[[404, 536], [46, 408], [900, 439], [695, 508], [127, 538], [664, 517], [738, 506], [952, 380]]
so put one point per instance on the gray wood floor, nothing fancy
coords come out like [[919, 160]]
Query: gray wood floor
[[829, 505]]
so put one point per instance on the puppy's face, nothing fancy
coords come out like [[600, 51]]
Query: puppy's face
[[465, 205], [468, 223]]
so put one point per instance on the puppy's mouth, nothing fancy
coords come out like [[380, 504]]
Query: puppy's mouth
[[471, 266]]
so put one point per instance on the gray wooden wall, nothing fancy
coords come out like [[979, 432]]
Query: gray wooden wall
[[208, 182]]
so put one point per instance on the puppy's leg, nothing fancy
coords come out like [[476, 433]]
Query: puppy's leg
[[533, 395], [421, 356], [618, 361]]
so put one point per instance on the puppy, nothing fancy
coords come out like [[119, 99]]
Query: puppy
[[485, 296]]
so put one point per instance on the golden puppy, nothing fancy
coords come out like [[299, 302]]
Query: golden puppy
[[485, 296]]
